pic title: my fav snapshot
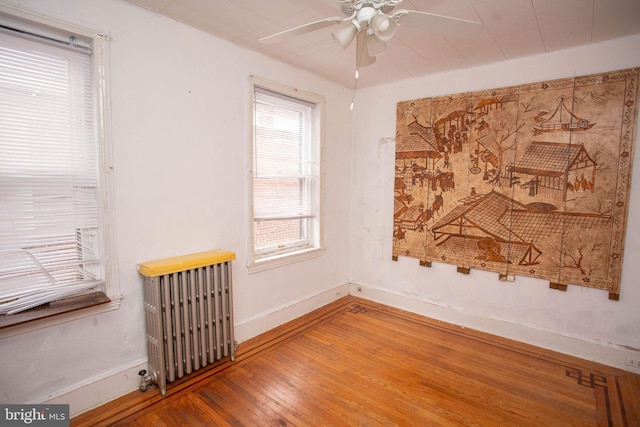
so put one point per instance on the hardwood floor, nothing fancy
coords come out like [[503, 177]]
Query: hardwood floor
[[357, 363]]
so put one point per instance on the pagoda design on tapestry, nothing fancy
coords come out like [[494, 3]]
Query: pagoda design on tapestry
[[529, 180]]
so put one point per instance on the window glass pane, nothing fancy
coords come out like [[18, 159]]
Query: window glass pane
[[280, 233], [277, 197]]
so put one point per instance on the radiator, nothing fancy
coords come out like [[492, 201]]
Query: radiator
[[188, 309]]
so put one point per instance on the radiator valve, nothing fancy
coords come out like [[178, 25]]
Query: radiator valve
[[146, 379]]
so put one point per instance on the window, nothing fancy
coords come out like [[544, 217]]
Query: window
[[285, 172], [53, 173]]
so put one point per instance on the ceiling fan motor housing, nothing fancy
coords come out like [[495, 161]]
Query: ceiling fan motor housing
[[350, 6], [364, 16]]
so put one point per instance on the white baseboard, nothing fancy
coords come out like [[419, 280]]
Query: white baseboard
[[609, 355], [99, 390], [268, 320]]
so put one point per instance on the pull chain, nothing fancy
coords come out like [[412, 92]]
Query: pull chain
[[355, 84]]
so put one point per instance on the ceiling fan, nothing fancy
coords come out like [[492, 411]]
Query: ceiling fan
[[372, 23]]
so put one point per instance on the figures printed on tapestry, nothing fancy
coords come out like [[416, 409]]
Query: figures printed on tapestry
[[528, 180]]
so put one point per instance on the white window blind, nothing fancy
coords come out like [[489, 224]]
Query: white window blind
[[284, 172], [49, 220]]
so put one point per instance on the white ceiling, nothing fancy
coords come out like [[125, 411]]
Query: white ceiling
[[513, 28]]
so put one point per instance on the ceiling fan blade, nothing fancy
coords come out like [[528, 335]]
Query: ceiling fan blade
[[363, 58], [302, 29], [445, 25], [375, 46]]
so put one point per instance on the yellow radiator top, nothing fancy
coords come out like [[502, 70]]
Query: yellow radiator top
[[164, 266]]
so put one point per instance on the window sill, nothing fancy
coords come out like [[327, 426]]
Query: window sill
[[56, 312], [283, 259]]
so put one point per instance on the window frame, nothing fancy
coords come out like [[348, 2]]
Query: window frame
[[263, 260], [30, 22]]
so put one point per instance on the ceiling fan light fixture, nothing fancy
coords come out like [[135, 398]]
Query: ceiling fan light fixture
[[345, 34], [383, 26]]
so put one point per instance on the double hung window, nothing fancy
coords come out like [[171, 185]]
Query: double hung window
[[52, 195], [285, 172]]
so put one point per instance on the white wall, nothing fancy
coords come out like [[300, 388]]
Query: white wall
[[179, 106], [590, 323], [179, 102]]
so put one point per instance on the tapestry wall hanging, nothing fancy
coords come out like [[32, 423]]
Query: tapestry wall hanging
[[530, 180]]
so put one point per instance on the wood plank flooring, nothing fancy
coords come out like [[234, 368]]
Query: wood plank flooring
[[357, 363]]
